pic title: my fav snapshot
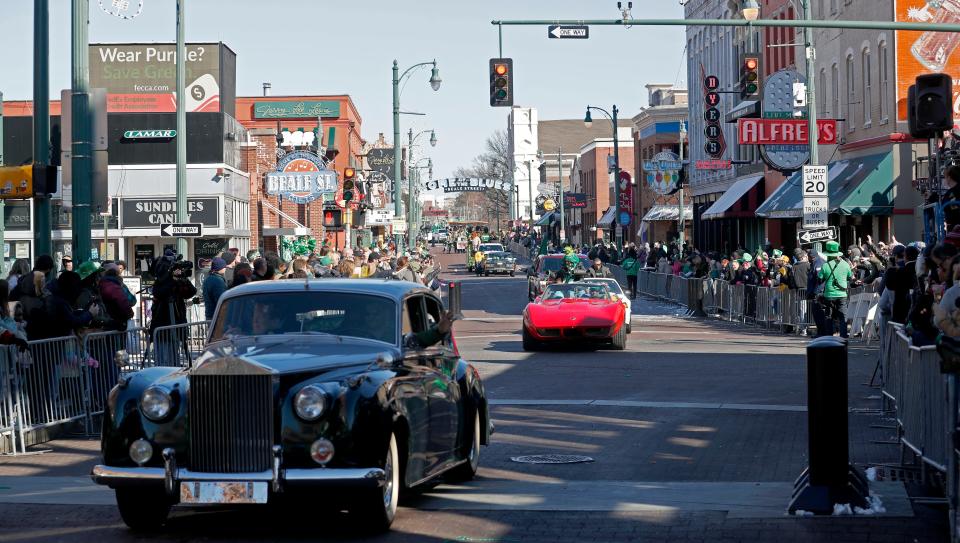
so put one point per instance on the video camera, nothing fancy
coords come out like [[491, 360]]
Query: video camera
[[185, 267]]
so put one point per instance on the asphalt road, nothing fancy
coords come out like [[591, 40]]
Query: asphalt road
[[695, 433]]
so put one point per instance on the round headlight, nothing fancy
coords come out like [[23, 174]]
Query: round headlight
[[310, 403], [156, 403], [141, 451]]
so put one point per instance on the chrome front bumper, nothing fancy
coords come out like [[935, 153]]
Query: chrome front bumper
[[170, 476]]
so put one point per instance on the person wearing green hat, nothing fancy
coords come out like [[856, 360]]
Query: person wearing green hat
[[572, 269], [835, 276]]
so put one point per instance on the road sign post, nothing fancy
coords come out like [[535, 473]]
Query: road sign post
[[816, 203]]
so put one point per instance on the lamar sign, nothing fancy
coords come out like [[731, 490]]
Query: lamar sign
[[783, 131]]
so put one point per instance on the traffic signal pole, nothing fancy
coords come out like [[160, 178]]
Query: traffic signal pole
[[41, 127], [776, 23], [82, 147]]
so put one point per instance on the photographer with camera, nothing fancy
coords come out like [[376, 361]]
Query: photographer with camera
[[170, 292]]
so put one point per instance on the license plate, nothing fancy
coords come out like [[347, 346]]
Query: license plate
[[223, 492]]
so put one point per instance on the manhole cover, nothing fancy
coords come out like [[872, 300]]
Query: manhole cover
[[551, 459]]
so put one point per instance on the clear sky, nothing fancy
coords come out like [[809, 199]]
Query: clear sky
[[326, 47]]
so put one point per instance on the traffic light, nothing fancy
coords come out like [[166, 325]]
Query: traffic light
[[934, 103], [348, 183], [501, 82], [749, 75]]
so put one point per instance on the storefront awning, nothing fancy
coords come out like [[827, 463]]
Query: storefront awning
[[667, 213], [606, 221], [737, 190], [548, 219], [857, 186]]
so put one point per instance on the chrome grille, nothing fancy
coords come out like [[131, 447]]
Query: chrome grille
[[231, 423]]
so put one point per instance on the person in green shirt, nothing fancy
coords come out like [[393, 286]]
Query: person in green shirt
[[631, 265], [835, 276]]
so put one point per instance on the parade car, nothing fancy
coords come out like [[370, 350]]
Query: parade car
[[307, 390], [542, 269], [486, 249], [617, 292], [580, 313], [499, 262]]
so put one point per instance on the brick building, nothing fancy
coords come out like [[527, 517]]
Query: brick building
[[591, 175], [295, 119]]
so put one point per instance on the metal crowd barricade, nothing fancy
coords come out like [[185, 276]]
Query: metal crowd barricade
[[115, 352], [52, 387], [737, 302], [177, 345], [11, 430], [765, 309], [896, 371], [923, 407], [724, 298], [709, 293]]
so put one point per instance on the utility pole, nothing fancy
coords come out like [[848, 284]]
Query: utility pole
[[683, 134], [616, 180], [411, 236], [562, 219], [530, 188], [813, 135], [181, 127], [41, 126], [82, 145], [397, 205]]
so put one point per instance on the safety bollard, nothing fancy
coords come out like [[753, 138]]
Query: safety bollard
[[453, 301], [829, 479]]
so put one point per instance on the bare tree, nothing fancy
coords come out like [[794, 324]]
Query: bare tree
[[492, 163]]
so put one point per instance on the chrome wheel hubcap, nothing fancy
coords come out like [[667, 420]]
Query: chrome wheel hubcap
[[388, 486]]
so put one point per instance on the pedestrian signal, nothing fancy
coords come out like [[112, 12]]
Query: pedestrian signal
[[501, 82]]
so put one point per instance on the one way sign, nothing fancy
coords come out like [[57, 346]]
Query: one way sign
[[577, 32], [807, 237], [181, 230]]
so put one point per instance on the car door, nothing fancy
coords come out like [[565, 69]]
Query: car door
[[446, 404], [409, 390], [426, 361]]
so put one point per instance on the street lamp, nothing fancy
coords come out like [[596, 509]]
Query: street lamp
[[750, 9], [411, 200], [397, 78], [588, 122]]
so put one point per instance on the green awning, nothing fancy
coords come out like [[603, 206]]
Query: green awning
[[548, 219], [858, 186]]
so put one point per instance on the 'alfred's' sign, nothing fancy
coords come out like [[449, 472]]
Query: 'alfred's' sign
[[783, 131]]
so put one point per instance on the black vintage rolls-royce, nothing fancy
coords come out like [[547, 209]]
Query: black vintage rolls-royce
[[303, 384]]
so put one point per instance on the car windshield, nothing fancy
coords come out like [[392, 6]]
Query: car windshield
[[610, 283], [581, 291], [499, 254], [277, 313], [488, 247]]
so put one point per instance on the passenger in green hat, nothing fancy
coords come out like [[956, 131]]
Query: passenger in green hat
[[835, 276]]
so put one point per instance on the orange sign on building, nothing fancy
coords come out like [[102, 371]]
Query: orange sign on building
[[921, 53]]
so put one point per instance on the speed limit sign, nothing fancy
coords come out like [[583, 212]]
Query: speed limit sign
[[815, 181]]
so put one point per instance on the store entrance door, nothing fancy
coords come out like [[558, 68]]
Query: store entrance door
[[143, 251]]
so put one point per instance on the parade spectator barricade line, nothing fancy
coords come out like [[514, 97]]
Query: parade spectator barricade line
[[737, 302], [49, 384], [177, 345], [11, 430], [117, 352], [766, 307], [923, 408], [619, 274]]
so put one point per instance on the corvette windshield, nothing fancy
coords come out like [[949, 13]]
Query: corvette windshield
[[336, 313], [581, 291]]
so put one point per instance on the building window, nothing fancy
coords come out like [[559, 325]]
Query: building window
[[835, 90], [851, 93], [833, 6], [884, 83], [865, 70], [824, 112]]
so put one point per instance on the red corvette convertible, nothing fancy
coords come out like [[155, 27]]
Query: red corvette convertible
[[582, 313]]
